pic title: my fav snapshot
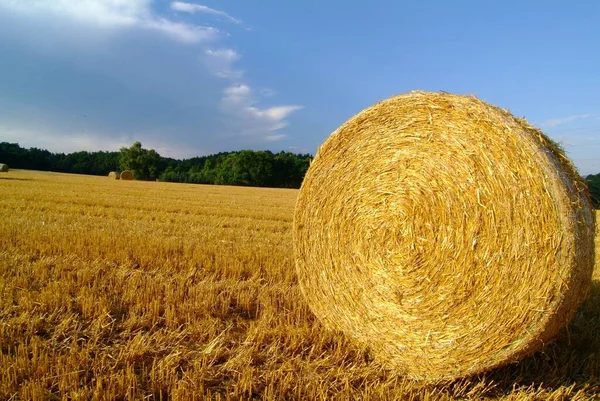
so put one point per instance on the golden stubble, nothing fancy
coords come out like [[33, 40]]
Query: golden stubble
[[131, 290]]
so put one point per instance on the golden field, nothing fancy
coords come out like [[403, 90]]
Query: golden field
[[126, 290]]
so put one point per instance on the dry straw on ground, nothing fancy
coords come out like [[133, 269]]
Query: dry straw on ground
[[4, 168], [444, 233], [114, 175], [126, 175]]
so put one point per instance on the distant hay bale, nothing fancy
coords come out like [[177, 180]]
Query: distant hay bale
[[114, 175], [126, 175], [446, 234], [3, 168]]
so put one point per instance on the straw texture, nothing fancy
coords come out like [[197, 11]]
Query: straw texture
[[113, 175], [444, 233], [4, 168], [126, 175]]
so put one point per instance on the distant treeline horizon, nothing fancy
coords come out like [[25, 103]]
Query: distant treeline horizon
[[246, 167]]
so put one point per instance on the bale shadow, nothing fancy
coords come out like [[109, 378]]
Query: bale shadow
[[573, 360]]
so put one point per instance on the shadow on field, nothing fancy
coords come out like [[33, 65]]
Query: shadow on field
[[573, 360], [16, 179]]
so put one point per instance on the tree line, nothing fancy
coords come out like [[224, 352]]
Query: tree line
[[246, 167], [593, 181]]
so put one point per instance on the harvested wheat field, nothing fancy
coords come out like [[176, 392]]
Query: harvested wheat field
[[171, 291]]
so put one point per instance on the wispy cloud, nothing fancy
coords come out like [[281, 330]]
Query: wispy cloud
[[108, 141], [183, 32], [268, 92], [238, 101], [245, 117], [555, 122], [274, 137], [239, 104], [220, 63], [61, 141], [198, 8], [114, 14]]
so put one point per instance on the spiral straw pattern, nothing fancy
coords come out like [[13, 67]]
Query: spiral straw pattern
[[446, 234]]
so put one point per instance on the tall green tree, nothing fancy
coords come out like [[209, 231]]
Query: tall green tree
[[144, 163]]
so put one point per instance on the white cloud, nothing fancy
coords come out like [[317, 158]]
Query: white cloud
[[238, 102], [183, 32], [59, 142], [198, 8], [273, 113], [245, 118], [555, 122], [237, 95], [100, 12], [220, 63], [113, 14]]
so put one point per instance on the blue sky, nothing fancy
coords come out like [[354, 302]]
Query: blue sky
[[193, 78]]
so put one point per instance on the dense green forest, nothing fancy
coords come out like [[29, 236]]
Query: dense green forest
[[246, 167], [594, 186]]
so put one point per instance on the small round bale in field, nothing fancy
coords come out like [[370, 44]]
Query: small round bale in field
[[446, 234], [3, 168], [126, 175], [114, 175]]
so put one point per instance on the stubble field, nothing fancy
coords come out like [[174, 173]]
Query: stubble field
[[125, 290]]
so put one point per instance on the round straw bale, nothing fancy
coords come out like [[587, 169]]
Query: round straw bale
[[126, 175], [114, 175], [3, 168], [444, 233]]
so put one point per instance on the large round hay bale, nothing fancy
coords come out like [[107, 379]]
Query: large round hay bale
[[3, 168], [444, 233], [114, 175], [126, 175]]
